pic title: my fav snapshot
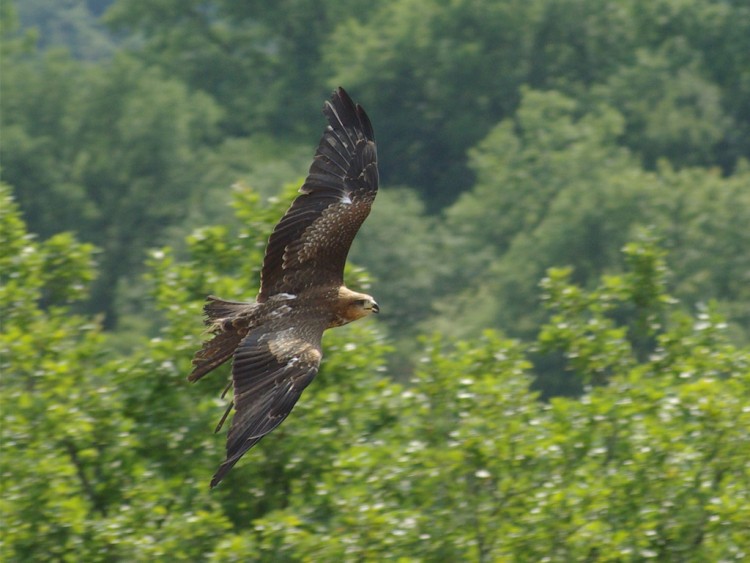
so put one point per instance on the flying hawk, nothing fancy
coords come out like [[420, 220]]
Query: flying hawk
[[275, 342]]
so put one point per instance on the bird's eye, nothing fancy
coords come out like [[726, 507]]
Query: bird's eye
[[360, 302]]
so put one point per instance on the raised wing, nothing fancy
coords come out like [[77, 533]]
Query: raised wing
[[269, 373], [310, 244]]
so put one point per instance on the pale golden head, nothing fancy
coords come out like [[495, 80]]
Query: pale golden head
[[354, 305]]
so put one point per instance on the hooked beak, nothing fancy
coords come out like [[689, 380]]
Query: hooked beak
[[375, 308]]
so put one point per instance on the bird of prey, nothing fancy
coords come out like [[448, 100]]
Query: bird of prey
[[275, 342]]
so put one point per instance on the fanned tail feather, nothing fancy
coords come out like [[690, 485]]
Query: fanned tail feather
[[226, 338], [217, 309], [214, 353]]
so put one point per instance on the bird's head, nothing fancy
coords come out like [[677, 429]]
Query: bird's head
[[365, 305], [355, 305]]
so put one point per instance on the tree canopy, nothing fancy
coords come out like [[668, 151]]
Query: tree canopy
[[107, 457], [561, 369]]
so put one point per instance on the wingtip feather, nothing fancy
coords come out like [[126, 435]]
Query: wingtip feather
[[342, 109]]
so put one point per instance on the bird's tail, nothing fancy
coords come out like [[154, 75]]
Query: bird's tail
[[217, 350]]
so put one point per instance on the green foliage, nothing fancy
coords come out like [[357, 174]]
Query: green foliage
[[597, 146], [477, 469], [12, 40], [610, 328], [671, 110], [443, 73], [402, 249], [107, 458], [56, 271], [516, 111], [260, 61], [446, 72], [72, 23], [75, 483], [113, 154], [702, 216], [554, 189]]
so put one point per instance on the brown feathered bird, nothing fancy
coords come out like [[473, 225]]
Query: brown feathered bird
[[275, 342]]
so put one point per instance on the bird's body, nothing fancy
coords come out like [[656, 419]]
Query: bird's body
[[275, 342]]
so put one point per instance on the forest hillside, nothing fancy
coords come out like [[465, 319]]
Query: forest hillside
[[559, 248]]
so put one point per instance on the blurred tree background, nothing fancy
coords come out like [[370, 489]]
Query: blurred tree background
[[560, 250]]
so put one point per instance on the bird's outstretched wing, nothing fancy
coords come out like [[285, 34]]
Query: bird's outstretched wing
[[310, 244], [270, 370]]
